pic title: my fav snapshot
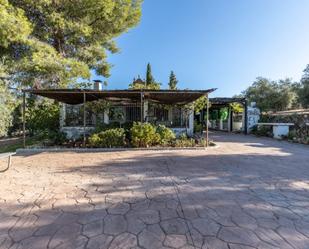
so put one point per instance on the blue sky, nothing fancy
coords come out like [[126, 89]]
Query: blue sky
[[215, 43]]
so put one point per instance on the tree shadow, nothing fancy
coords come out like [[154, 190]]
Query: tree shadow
[[225, 198]]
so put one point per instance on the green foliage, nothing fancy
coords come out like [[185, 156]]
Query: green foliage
[[214, 115], [108, 139], [184, 141], [200, 104], [166, 135], [55, 137], [7, 105], [103, 127], [271, 95], [237, 108], [14, 25], [197, 127], [303, 90], [264, 131], [149, 77], [223, 114], [144, 135], [291, 135], [42, 115], [52, 43], [150, 82], [173, 81]]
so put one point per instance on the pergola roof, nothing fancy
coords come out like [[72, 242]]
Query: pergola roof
[[225, 101], [76, 96]]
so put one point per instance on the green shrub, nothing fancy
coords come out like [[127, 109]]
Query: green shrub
[[144, 135], [166, 134], [197, 127], [108, 138], [103, 127], [42, 115], [262, 131], [57, 138], [184, 141], [291, 135]]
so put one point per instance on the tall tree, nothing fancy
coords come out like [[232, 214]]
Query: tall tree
[[149, 83], [173, 81], [271, 95], [149, 77], [56, 42], [303, 91]]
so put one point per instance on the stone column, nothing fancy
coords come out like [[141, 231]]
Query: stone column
[[62, 115], [191, 123], [106, 116], [145, 109]]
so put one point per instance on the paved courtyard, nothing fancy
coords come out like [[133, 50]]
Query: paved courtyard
[[247, 193]]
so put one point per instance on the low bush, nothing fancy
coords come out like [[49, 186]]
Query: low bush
[[262, 131], [144, 135], [197, 127], [57, 138], [108, 138], [184, 141], [166, 135]]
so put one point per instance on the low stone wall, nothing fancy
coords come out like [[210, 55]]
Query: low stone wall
[[75, 132], [299, 132]]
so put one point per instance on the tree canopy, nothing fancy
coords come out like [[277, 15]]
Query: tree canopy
[[51, 43], [303, 91], [271, 95], [173, 81]]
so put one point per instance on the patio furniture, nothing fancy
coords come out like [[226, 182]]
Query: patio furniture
[[279, 129]]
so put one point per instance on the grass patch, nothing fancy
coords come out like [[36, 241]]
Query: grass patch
[[13, 147]]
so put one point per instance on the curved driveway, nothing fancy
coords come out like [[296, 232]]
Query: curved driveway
[[247, 193]]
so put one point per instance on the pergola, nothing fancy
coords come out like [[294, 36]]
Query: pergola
[[222, 102], [81, 96]]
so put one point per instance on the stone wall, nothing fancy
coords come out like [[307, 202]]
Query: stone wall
[[300, 131]]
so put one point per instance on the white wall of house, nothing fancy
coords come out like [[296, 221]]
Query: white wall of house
[[74, 132]]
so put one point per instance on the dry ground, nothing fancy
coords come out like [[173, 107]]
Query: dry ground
[[248, 193]]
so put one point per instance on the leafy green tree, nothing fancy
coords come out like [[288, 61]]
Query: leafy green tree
[[271, 95], [173, 81], [52, 43], [303, 90], [7, 106], [42, 115]]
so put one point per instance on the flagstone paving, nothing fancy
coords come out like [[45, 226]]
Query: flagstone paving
[[247, 193]]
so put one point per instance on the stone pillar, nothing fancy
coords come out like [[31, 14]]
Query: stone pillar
[[145, 109], [62, 115], [191, 123], [220, 124], [106, 116]]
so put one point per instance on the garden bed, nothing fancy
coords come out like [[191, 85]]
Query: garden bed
[[137, 136]]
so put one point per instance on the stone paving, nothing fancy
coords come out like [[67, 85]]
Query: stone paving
[[247, 193]]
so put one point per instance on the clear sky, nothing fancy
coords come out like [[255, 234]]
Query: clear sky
[[215, 43]]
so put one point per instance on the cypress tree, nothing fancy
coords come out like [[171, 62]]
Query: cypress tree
[[149, 77], [173, 81]]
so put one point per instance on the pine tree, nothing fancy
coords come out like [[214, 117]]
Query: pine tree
[[173, 81], [149, 77]]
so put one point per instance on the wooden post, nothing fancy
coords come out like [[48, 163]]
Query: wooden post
[[142, 109], [246, 118], [84, 133], [207, 118], [24, 119]]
